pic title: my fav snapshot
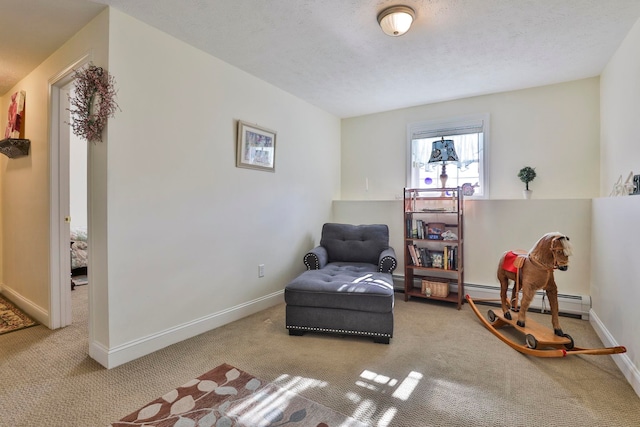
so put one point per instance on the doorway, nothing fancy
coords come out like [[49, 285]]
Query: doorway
[[60, 206], [77, 203]]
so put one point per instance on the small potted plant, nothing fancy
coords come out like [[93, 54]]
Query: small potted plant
[[526, 175]]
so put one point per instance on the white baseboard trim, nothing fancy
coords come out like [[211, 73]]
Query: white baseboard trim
[[118, 355], [32, 309], [624, 363]]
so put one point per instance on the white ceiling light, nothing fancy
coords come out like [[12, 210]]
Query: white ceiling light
[[396, 20]]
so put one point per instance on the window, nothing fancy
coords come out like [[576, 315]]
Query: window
[[470, 136]]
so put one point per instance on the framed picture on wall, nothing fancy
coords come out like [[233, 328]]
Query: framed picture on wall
[[256, 147]]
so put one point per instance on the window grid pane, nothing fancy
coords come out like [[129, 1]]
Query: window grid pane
[[466, 171]]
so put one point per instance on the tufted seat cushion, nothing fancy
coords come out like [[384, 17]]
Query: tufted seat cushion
[[350, 286]]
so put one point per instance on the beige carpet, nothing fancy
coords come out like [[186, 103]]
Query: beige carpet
[[80, 280], [442, 368]]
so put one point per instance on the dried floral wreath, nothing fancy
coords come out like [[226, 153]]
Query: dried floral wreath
[[93, 102]]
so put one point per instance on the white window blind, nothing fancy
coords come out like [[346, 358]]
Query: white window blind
[[451, 130]]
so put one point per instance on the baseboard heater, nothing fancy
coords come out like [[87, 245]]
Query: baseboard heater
[[577, 306]]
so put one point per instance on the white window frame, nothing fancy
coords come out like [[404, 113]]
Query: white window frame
[[450, 126]]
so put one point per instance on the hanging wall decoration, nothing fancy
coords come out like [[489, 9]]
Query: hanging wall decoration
[[15, 116], [256, 147], [93, 102], [14, 144]]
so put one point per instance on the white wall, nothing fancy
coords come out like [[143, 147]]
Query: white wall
[[25, 190], [615, 273], [495, 226], [491, 228], [620, 89], [186, 228], [177, 231], [552, 128], [78, 181]]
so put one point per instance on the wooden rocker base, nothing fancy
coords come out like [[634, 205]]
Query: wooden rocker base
[[540, 341]]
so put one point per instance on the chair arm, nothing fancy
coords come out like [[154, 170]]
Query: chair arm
[[387, 262], [316, 258]]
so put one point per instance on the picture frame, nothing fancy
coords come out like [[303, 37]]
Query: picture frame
[[15, 124], [437, 259], [256, 147]]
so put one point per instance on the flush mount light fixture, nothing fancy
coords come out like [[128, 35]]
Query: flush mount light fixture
[[396, 20]]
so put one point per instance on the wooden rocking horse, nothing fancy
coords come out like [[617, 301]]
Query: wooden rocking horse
[[531, 272]]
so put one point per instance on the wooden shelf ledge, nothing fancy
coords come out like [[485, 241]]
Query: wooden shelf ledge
[[15, 147]]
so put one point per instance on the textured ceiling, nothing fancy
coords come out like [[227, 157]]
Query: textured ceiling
[[31, 30], [333, 54]]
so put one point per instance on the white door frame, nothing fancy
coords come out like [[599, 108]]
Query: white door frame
[[59, 250]]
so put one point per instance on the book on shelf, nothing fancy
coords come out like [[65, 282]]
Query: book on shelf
[[421, 257], [445, 258], [425, 257], [420, 228], [454, 257], [451, 257], [413, 254]]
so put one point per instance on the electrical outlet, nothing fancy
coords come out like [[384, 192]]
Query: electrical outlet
[[260, 270]]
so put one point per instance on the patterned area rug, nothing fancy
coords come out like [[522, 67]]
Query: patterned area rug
[[225, 397], [12, 318]]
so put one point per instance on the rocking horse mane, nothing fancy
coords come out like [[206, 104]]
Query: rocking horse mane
[[566, 244], [542, 252], [568, 248]]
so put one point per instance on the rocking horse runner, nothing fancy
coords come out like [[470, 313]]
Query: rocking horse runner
[[531, 272]]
